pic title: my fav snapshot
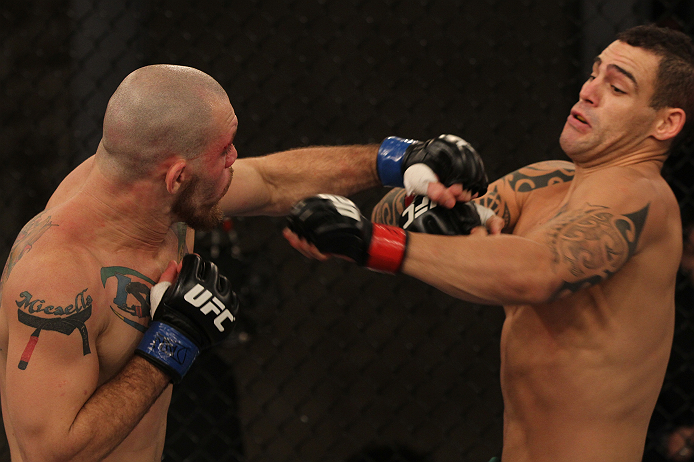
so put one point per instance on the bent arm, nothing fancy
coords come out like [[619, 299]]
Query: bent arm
[[578, 248], [57, 407], [270, 185]]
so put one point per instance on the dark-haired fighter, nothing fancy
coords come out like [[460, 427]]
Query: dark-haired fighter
[[586, 267]]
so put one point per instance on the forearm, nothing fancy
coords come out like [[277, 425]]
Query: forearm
[[497, 270], [271, 184], [113, 411]]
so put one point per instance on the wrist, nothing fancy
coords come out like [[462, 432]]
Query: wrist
[[168, 349], [389, 160], [387, 248]]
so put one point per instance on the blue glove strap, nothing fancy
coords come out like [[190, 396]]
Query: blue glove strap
[[389, 160], [169, 346]]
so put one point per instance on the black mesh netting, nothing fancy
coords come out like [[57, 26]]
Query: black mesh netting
[[330, 362]]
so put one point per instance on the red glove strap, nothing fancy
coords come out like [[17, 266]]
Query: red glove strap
[[387, 248]]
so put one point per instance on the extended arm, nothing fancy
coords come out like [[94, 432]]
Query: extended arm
[[270, 185]]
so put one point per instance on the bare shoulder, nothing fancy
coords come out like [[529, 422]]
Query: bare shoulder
[[613, 218], [71, 183], [539, 175]]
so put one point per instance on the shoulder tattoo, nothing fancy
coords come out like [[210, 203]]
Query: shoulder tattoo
[[592, 243], [533, 177], [27, 237], [131, 303], [62, 319], [492, 200]]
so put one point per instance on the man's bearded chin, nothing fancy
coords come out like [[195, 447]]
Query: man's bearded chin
[[196, 217]]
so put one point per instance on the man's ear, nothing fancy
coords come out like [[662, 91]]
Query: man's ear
[[670, 123], [176, 175]]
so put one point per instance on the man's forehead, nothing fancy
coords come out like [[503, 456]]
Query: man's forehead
[[638, 61]]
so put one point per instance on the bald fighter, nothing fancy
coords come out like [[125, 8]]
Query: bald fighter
[[86, 363], [586, 266]]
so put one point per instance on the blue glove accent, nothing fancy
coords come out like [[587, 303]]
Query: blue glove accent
[[167, 346], [389, 160]]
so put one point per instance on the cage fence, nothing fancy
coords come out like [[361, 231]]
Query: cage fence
[[330, 362]]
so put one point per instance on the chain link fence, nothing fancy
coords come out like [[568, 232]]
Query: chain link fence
[[330, 362]]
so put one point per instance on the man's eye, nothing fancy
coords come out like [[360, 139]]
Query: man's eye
[[617, 90]]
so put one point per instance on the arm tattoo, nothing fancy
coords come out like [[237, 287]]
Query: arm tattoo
[[63, 319], [181, 234], [130, 284], [593, 243], [492, 200], [389, 209], [524, 180]]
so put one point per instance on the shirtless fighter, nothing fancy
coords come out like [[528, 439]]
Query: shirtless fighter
[[585, 268], [74, 294]]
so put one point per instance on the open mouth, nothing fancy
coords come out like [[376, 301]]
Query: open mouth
[[580, 118]]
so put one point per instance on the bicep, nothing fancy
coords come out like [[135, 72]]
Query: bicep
[[590, 243], [249, 192], [52, 367]]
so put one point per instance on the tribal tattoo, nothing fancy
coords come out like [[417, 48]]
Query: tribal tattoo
[[593, 243], [130, 284], [492, 200], [389, 209], [65, 319], [532, 177]]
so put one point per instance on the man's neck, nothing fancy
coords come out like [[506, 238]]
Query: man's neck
[[125, 215]]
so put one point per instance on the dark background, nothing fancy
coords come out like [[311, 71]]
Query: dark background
[[329, 361]]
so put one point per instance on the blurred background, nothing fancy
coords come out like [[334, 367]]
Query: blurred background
[[331, 362]]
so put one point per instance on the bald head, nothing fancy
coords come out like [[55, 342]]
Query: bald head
[[157, 112]]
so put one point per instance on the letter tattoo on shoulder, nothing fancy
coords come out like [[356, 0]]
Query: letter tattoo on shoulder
[[64, 319], [130, 285], [592, 243]]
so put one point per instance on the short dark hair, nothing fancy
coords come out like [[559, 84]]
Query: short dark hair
[[674, 86]]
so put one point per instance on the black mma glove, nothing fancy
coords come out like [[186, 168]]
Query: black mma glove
[[424, 216], [193, 314], [451, 158], [335, 225]]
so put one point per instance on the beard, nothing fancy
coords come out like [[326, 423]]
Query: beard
[[200, 218]]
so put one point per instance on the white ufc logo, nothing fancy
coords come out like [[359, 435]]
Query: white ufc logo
[[346, 207], [459, 142], [417, 208], [202, 298]]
